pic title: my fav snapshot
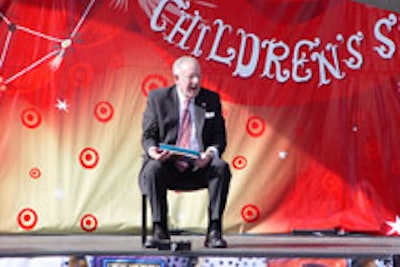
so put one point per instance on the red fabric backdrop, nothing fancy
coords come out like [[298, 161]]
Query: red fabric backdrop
[[310, 93]]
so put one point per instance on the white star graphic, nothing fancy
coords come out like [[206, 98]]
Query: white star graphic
[[394, 226], [62, 105], [282, 154]]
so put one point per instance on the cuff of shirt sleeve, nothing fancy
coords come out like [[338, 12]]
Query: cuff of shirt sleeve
[[214, 151], [150, 148]]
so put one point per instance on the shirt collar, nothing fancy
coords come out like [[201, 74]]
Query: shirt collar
[[181, 97]]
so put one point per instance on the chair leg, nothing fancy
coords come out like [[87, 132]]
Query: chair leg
[[144, 219]]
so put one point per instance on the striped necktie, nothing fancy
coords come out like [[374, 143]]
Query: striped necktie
[[185, 131]]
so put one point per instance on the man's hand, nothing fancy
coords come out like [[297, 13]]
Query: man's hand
[[158, 154], [204, 159]]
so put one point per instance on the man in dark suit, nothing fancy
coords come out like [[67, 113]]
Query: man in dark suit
[[166, 113]]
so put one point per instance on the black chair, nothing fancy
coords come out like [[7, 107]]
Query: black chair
[[144, 219]]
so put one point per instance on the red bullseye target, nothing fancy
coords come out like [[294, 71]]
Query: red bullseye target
[[104, 111], [27, 219], [152, 82], [31, 118], [89, 223], [35, 173], [239, 162], [250, 213], [89, 158], [331, 183], [255, 126], [81, 74]]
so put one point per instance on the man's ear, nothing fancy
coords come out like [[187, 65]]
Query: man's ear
[[176, 77]]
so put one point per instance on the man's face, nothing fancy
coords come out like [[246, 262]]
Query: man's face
[[188, 78]]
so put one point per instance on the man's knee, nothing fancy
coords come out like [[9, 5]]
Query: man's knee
[[153, 173], [152, 176], [221, 167], [153, 168]]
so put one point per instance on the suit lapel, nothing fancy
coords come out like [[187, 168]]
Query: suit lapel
[[173, 110], [199, 113]]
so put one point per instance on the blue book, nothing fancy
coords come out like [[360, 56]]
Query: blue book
[[180, 150]]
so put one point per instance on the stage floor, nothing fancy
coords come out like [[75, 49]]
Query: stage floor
[[238, 246]]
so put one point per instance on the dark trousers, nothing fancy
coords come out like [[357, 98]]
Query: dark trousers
[[160, 176]]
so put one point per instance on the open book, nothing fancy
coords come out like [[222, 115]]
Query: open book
[[180, 150]]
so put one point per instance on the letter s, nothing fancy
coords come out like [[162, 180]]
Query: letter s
[[387, 49]]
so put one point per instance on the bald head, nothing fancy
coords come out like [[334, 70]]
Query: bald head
[[187, 75], [180, 63]]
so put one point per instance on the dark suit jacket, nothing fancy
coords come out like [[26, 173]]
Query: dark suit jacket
[[161, 120]]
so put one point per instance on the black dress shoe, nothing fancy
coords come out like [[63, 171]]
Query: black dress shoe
[[160, 237], [214, 240]]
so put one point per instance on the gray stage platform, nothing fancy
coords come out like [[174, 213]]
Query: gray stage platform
[[239, 246]]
